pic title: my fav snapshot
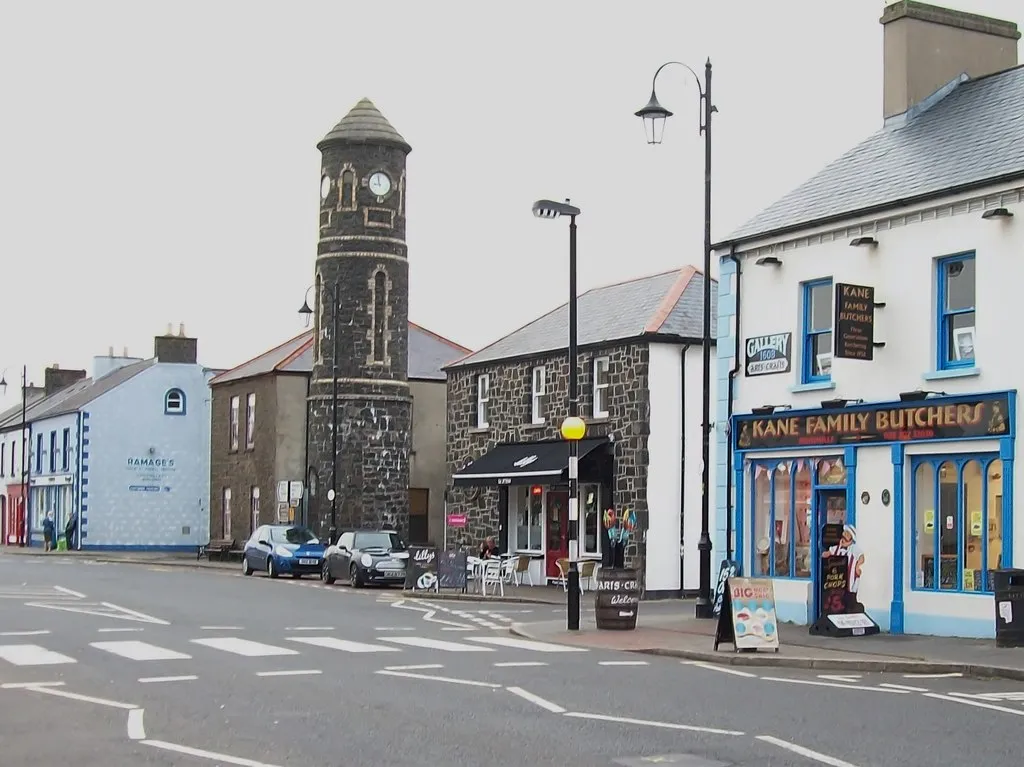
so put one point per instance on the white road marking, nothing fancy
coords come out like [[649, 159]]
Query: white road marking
[[296, 672], [134, 650], [69, 592], [840, 677], [138, 616], [32, 655], [622, 663], [220, 628], [435, 644], [458, 628], [906, 687], [117, 631], [648, 723], [99, 609], [310, 628], [23, 633], [21, 685], [83, 698], [394, 628], [450, 680], [244, 647], [833, 684], [713, 667], [523, 663], [977, 703], [554, 708], [212, 756], [992, 696], [931, 676], [136, 729], [526, 644], [420, 667], [342, 644], [151, 679], [806, 752]]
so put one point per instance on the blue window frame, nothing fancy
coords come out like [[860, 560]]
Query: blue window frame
[[957, 513], [955, 294], [53, 452], [174, 402], [817, 331], [65, 453]]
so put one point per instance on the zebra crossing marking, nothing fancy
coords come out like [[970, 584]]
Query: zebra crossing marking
[[135, 650], [32, 655], [526, 644], [435, 644], [345, 645], [245, 647]]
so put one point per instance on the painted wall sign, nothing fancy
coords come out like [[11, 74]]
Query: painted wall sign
[[149, 474], [854, 322], [767, 355], [897, 422]]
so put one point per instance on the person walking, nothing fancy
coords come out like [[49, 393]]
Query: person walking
[[48, 532]]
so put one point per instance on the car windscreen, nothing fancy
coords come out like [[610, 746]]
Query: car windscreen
[[297, 535], [390, 541]]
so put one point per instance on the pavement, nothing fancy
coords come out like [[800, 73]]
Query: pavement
[[112, 664]]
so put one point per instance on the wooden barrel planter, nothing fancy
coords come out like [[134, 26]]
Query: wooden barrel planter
[[617, 600]]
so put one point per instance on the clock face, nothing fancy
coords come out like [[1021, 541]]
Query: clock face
[[325, 187], [380, 184]]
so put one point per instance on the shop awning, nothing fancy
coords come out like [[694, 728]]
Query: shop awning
[[523, 463]]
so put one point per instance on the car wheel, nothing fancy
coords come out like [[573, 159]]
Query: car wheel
[[325, 574], [353, 577], [246, 570], [271, 570]]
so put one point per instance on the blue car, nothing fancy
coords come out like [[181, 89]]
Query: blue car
[[283, 550]]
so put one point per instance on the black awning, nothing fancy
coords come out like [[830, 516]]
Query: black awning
[[523, 463]]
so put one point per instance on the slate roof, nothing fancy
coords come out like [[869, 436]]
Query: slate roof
[[76, 396], [428, 353], [668, 304], [15, 411], [364, 124], [972, 137]]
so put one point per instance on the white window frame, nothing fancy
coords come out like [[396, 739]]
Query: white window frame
[[539, 390], [523, 546], [174, 402], [600, 402], [483, 398], [250, 420], [254, 507], [226, 511], [584, 489], [233, 422]]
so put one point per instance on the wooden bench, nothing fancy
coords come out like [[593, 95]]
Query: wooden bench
[[220, 548]]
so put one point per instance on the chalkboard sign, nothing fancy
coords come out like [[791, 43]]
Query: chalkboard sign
[[834, 584], [421, 569], [748, 618], [831, 534], [617, 600], [451, 570], [730, 569]]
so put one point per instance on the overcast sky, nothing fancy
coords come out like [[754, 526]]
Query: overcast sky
[[158, 161]]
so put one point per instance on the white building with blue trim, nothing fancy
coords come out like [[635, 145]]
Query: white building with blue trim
[[867, 369], [124, 454]]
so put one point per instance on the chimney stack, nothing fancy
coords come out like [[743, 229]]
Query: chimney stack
[[927, 46], [175, 348], [55, 379]]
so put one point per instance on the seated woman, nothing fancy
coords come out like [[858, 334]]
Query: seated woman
[[488, 549]]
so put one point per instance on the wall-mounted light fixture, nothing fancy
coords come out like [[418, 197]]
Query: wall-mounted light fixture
[[768, 261], [769, 409], [856, 242], [829, 404], [997, 213], [919, 394]]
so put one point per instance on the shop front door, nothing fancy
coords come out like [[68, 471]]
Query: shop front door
[[830, 512], [557, 530]]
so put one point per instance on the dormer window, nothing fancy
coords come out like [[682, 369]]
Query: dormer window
[[174, 402]]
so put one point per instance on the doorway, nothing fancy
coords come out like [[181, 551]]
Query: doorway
[[557, 530], [830, 515], [419, 503]]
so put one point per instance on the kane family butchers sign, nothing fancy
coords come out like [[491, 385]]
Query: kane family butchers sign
[[904, 422]]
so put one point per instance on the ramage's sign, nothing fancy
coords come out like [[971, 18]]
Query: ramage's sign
[[770, 354]]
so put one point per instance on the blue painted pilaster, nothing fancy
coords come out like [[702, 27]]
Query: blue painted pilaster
[[896, 607]]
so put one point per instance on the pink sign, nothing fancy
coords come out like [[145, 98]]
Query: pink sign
[[456, 520]]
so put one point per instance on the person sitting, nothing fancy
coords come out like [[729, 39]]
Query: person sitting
[[488, 549]]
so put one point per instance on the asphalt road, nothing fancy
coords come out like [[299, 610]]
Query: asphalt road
[[131, 665]]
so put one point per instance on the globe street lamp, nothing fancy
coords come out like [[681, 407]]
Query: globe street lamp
[[654, 116], [573, 428], [24, 444]]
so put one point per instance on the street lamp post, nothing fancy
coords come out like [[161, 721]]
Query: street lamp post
[[654, 116], [24, 446], [334, 292], [573, 428]]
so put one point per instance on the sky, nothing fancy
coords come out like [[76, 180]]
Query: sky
[[158, 161]]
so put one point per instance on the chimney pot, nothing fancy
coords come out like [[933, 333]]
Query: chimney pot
[[170, 328], [181, 329], [126, 351], [110, 352]]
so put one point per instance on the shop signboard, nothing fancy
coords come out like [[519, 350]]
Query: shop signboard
[[854, 322], [748, 618], [421, 569], [976, 417], [770, 354], [457, 520], [451, 570], [730, 569]]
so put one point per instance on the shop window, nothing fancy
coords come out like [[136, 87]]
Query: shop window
[[590, 499], [530, 519], [783, 523], [955, 288], [483, 397], [957, 514], [538, 395], [817, 331], [601, 365]]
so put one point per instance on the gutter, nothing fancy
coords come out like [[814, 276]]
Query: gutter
[[728, 421]]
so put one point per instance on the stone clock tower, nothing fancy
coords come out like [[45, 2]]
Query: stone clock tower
[[362, 263]]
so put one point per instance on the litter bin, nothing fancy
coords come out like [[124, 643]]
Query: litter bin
[[1009, 592], [617, 599]]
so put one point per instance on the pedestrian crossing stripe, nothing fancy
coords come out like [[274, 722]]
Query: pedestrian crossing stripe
[[436, 644], [245, 647], [333, 643], [32, 655], [134, 650]]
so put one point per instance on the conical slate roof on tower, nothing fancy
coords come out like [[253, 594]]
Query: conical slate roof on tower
[[364, 124]]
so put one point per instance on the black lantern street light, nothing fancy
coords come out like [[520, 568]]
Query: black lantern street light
[[24, 443], [573, 428], [334, 293], [654, 116]]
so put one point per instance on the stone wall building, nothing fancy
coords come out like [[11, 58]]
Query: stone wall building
[[639, 386]]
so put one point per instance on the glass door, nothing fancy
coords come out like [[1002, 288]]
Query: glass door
[[557, 530], [830, 517]]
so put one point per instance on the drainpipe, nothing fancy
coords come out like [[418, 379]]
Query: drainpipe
[[305, 461], [728, 420], [682, 465]]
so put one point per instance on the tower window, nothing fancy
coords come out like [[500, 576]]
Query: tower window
[[347, 190], [380, 319]]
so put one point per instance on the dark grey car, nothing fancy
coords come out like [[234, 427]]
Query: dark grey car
[[362, 557]]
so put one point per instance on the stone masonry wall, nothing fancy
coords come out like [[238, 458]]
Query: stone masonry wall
[[510, 420]]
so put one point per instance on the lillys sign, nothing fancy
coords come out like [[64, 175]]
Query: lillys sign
[[899, 422]]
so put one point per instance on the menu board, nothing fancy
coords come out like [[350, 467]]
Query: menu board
[[834, 584], [730, 569], [421, 569], [748, 618], [451, 570]]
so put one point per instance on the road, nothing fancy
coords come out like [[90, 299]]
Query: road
[[116, 664]]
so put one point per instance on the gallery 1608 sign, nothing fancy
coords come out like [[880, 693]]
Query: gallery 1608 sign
[[898, 422], [767, 355], [855, 322]]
